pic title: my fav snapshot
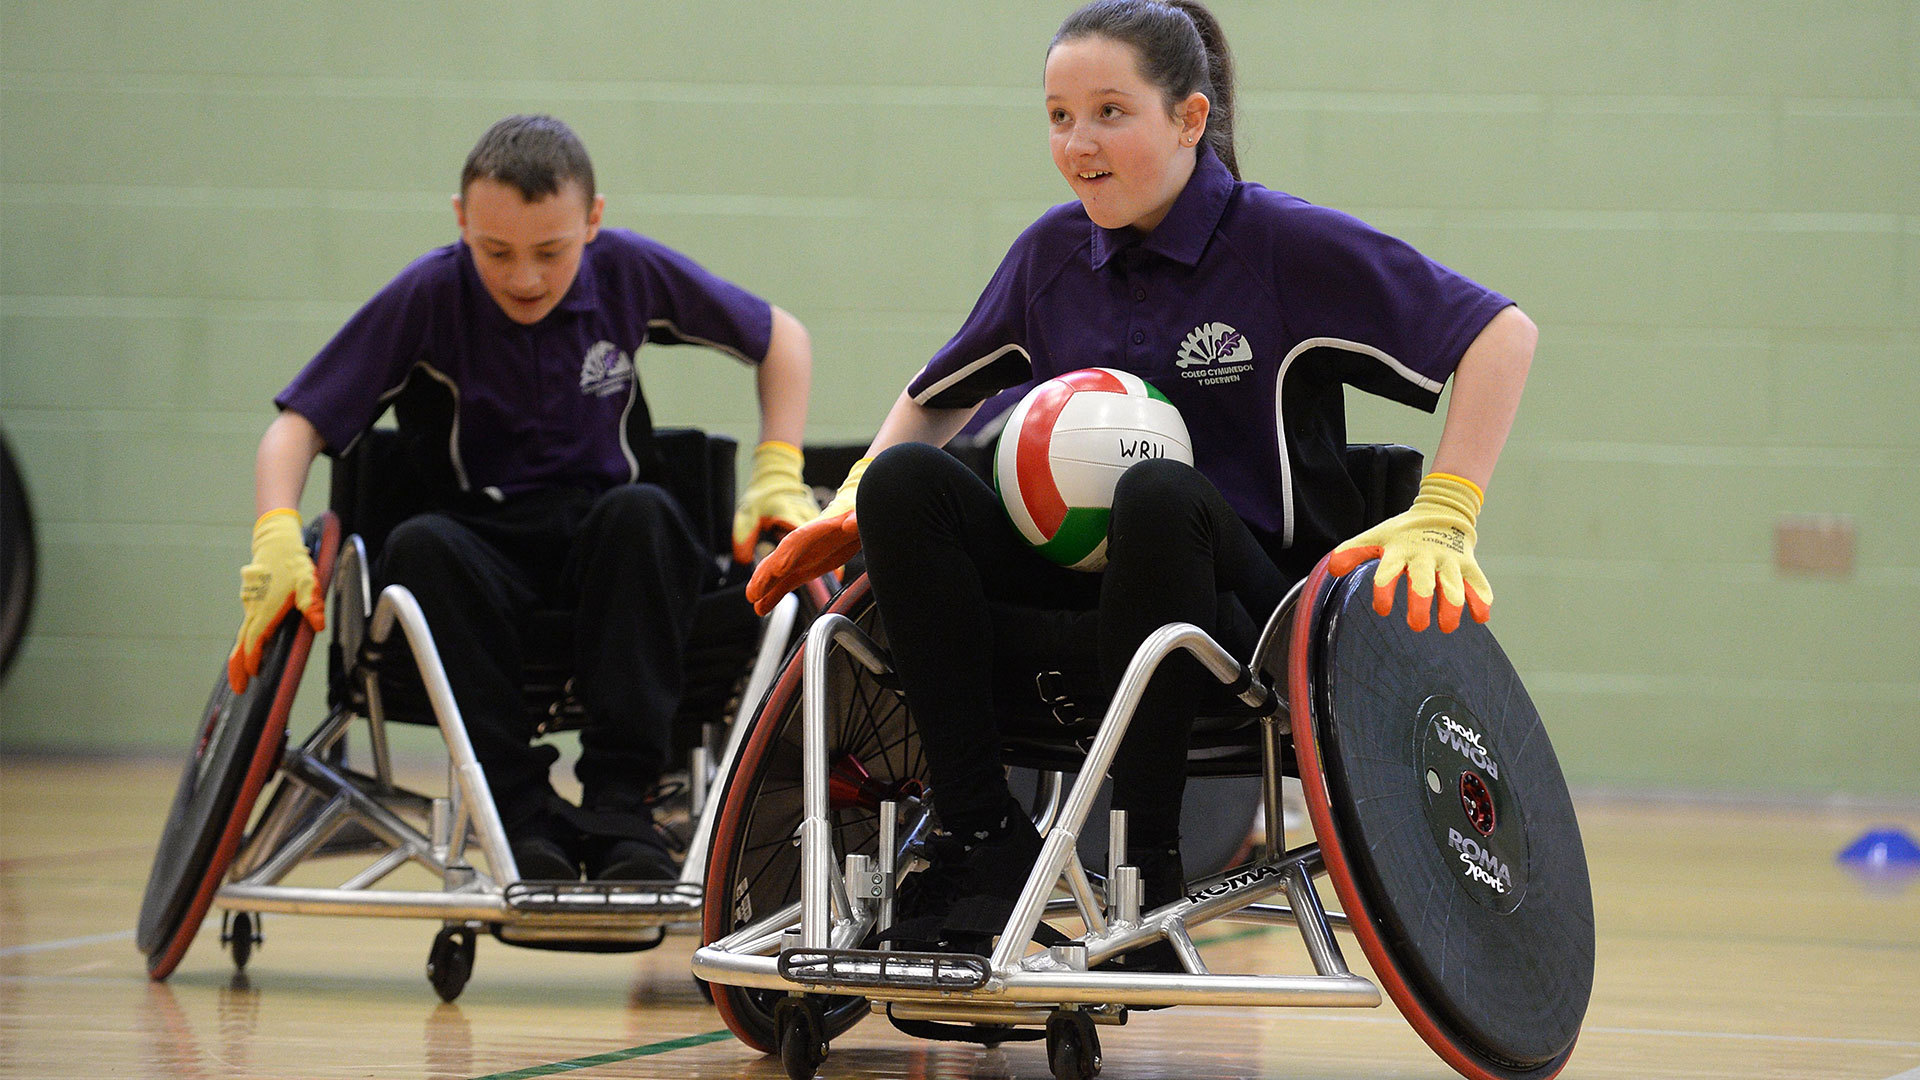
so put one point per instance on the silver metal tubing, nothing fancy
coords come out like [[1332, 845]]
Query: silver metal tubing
[[1183, 989], [325, 822], [819, 881], [289, 900], [888, 867], [1183, 947], [1312, 921], [352, 598], [1059, 987], [1277, 915], [1014, 1015], [1106, 743], [387, 864], [1046, 801], [776, 631], [1272, 799], [1279, 623], [295, 807], [396, 602], [371, 812], [1085, 901], [761, 938]]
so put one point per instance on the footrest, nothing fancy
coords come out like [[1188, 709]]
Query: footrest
[[604, 897], [874, 969]]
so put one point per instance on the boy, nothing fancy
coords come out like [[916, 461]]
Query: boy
[[515, 349]]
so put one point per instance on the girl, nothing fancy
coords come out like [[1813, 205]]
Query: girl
[[1250, 310]]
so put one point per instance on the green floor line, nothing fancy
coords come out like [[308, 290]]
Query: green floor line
[[592, 1060]]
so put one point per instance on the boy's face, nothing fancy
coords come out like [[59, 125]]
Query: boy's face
[[526, 253]]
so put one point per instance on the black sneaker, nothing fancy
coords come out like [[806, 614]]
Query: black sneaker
[[541, 858], [643, 858], [995, 872]]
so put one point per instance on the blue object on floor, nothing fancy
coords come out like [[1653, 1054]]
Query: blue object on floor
[[1882, 849]]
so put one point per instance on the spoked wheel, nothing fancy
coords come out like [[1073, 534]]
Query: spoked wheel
[[234, 752], [1446, 829], [753, 867]]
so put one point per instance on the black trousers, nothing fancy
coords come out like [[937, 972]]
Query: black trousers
[[626, 563], [959, 590]]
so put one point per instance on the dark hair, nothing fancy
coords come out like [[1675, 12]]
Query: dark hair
[[1181, 49], [532, 154]]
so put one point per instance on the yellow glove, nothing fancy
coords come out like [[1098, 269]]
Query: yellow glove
[[1432, 542], [819, 547], [776, 498], [280, 577]]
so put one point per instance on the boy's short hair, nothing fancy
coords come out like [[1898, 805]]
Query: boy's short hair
[[532, 154]]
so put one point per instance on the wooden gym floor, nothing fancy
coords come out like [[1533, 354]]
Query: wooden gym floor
[[1731, 945]]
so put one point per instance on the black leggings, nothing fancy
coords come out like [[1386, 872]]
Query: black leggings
[[957, 586]]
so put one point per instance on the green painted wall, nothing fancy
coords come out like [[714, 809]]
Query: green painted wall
[[1710, 208]]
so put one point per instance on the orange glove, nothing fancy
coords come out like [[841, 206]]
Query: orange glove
[[819, 547], [1432, 542], [776, 500], [280, 577]]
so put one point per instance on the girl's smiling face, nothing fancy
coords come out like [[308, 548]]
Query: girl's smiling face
[[1124, 153]]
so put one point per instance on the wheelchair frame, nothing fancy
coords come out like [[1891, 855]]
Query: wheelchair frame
[[812, 950], [324, 808], [332, 797]]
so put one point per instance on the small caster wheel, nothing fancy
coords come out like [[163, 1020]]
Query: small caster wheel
[[1073, 1048], [705, 988], [450, 961], [802, 1025], [240, 932]]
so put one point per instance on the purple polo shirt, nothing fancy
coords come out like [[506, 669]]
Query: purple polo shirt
[[554, 403], [1251, 310]]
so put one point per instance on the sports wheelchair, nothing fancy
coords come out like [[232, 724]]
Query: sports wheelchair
[[1439, 815], [383, 668]]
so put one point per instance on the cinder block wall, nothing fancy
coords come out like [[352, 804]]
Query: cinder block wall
[[1709, 208]]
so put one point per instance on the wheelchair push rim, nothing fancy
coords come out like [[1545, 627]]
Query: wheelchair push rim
[[1390, 830], [236, 750], [752, 860]]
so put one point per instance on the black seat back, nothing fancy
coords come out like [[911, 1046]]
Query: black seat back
[[379, 482]]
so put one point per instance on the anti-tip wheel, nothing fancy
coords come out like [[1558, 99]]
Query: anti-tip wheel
[[1073, 1046], [450, 961], [803, 1043]]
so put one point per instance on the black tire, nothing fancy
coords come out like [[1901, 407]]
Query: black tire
[[803, 1045], [753, 865], [235, 749], [450, 961], [241, 936], [1073, 1046], [1446, 829], [18, 558]]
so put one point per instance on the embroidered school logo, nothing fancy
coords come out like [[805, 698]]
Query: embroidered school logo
[[606, 370], [1215, 353]]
